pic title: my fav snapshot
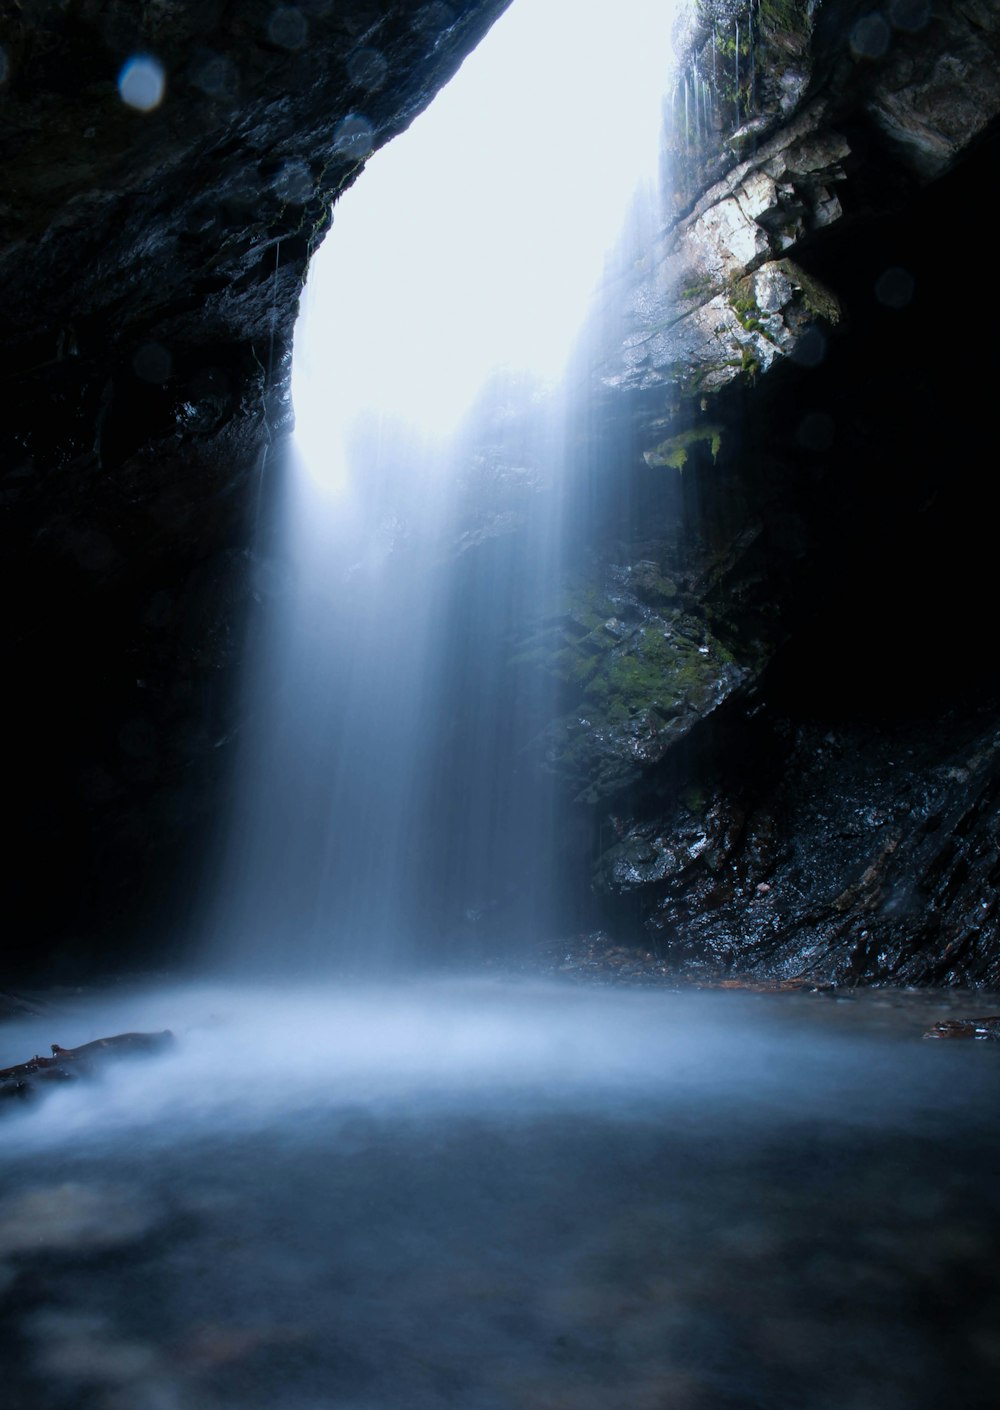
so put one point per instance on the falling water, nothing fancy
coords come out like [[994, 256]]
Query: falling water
[[392, 803], [696, 84], [687, 119]]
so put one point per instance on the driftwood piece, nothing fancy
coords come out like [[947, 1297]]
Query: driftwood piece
[[985, 1029], [67, 1064]]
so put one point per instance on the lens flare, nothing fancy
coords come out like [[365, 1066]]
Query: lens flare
[[142, 83]]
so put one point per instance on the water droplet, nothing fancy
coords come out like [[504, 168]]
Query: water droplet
[[142, 82], [368, 69], [153, 363], [354, 137], [288, 28], [870, 37], [894, 287]]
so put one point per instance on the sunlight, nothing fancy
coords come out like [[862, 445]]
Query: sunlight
[[475, 240]]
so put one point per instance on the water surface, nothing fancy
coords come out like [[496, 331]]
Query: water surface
[[504, 1195]]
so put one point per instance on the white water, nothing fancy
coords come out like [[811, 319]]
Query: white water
[[392, 804]]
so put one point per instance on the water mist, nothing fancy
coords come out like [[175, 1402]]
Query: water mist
[[393, 805]]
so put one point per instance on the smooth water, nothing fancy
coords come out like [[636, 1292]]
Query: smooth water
[[489, 1196]]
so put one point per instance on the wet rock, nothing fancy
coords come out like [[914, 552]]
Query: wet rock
[[932, 100], [638, 671], [27, 1079], [981, 1029], [811, 872], [685, 326], [765, 175]]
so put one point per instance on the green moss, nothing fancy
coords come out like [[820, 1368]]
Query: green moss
[[627, 684], [673, 452], [657, 670], [785, 16], [744, 305], [700, 289]]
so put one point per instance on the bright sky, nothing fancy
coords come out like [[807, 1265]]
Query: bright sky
[[475, 239]]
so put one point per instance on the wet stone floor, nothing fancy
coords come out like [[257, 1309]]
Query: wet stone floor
[[505, 1197]]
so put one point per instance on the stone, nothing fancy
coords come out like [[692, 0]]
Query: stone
[[725, 241], [981, 1029]]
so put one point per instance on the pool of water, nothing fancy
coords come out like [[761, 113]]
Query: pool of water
[[492, 1195]]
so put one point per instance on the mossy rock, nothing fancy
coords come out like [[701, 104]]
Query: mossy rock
[[673, 452], [650, 585]]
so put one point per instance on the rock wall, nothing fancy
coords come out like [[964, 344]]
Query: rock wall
[[778, 704]]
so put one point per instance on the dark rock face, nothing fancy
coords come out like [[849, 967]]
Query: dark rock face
[[864, 852], [150, 264], [828, 808], [840, 820]]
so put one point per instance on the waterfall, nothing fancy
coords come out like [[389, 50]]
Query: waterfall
[[696, 84], [687, 120], [391, 803]]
